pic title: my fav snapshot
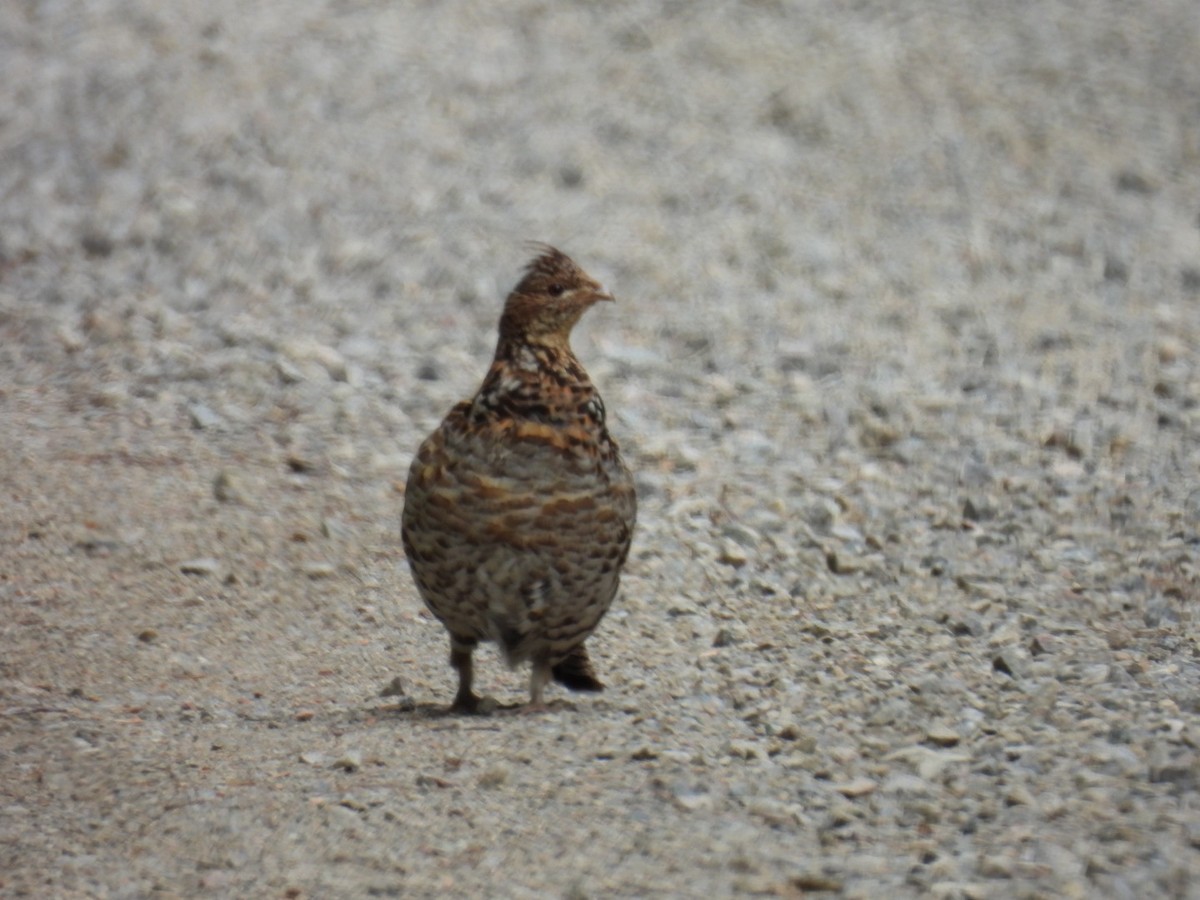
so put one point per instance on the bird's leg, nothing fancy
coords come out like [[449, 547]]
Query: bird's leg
[[538, 678], [460, 658]]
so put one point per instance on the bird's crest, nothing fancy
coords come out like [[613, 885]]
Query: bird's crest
[[551, 263]]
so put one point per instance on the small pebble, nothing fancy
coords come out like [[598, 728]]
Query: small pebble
[[350, 761], [732, 554], [203, 418], [227, 487], [205, 565], [942, 736], [856, 787], [494, 777], [318, 569]]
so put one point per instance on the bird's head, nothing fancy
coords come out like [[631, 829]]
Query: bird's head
[[549, 299]]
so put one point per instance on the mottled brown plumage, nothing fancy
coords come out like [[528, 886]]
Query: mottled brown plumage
[[519, 511]]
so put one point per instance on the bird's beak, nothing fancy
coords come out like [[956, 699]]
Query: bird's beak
[[602, 294]]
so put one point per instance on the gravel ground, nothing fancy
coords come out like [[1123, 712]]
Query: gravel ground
[[904, 358]]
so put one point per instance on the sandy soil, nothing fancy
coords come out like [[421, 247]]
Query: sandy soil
[[905, 360]]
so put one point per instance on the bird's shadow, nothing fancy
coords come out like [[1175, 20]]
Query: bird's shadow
[[490, 709]]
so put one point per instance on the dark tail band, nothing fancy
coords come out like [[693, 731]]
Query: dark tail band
[[575, 671]]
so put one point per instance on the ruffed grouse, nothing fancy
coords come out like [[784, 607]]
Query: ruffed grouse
[[519, 510]]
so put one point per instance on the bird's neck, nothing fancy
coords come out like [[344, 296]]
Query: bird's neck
[[512, 340], [549, 354], [534, 381]]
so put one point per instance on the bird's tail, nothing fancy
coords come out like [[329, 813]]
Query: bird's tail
[[575, 671]]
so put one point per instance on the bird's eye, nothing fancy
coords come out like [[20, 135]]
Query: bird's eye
[[555, 290]]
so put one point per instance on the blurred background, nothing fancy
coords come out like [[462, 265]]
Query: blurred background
[[763, 183], [785, 196]]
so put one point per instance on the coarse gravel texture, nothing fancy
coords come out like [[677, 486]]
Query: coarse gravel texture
[[904, 359]]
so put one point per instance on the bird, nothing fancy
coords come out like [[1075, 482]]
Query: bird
[[519, 510]]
